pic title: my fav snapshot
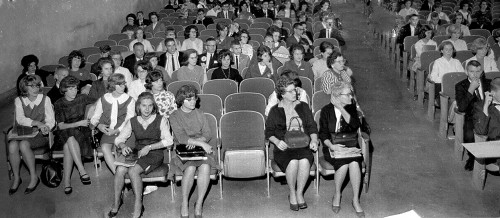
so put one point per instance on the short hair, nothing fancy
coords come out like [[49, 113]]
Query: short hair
[[68, 82], [463, 3], [235, 42], [472, 63], [325, 45], [261, 51], [210, 39], [170, 29], [186, 54], [137, 31], [295, 25], [143, 96], [76, 54], [27, 81], [295, 47], [186, 91], [438, 5], [220, 27], [112, 53], [284, 80], [152, 14], [201, 10], [331, 59], [138, 44], [150, 55], [27, 60], [153, 77], [454, 18], [412, 15], [495, 84], [445, 43], [336, 88], [105, 48], [103, 61], [59, 68], [130, 15], [224, 53], [140, 12], [423, 30], [454, 28], [244, 31], [273, 29], [144, 64], [434, 15], [243, 3], [477, 44], [115, 79], [302, 3], [188, 30], [167, 40]]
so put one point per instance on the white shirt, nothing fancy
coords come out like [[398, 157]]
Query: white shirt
[[136, 88], [209, 57], [114, 110], [442, 66], [338, 115], [196, 44], [126, 132], [262, 68], [168, 62], [273, 99], [489, 64], [405, 12], [412, 29], [21, 119], [126, 73], [460, 45], [145, 42], [420, 44]]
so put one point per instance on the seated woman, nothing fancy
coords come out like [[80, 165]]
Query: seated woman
[[445, 64], [294, 161], [275, 31], [106, 68], [480, 49], [425, 37], [324, 6], [244, 13], [225, 71], [190, 127], [340, 117], [286, 11], [110, 115], [455, 34], [408, 9], [482, 17], [140, 37], [130, 27], [297, 63], [234, 30], [319, 66], [142, 69], [223, 40], [265, 66], [246, 48], [152, 134], [153, 59], [189, 70], [337, 71], [301, 93], [458, 19], [74, 133], [30, 67], [192, 41], [438, 8], [304, 9], [33, 111], [76, 62], [155, 25], [163, 98], [465, 12]]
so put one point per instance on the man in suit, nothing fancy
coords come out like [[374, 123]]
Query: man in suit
[[201, 19], [277, 22], [209, 59], [155, 26], [141, 21], [411, 29], [138, 55], [331, 32], [436, 25], [265, 11], [467, 93], [241, 61], [298, 35], [428, 5], [225, 13], [171, 59], [54, 93]]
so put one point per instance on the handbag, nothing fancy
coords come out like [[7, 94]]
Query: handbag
[[51, 174], [349, 140], [296, 138]]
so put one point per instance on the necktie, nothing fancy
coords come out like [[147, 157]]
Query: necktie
[[266, 13], [173, 64], [236, 61], [225, 14]]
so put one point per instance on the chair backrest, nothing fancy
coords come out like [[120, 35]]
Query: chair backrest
[[104, 42], [242, 130], [480, 32], [409, 41], [176, 85], [471, 38], [258, 31], [177, 28], [148, 35], [210, 72], [220, 87], [243, 72], [319, 100], [316, 36], [449, 81], [117, 37], [307, 85], [51, 81], [257, 37], [263, 20], [214, 130], [260, 85], [155, 41], [210, 103], [439, 39], [243, 21], [119, 48], [94, 58], [429, 48], [226, 20], [254, 44], [180, 33], [209, 32], [334, 41], [244, 26], [260, 25], [212, 26], [463, 55], [200, 27], [63, 61], [160, 34], [50, 68], [125, 42], [492, 75], [245, 101], [427, 57], [317, 84]]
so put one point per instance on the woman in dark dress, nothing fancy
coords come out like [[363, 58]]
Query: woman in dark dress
[[225, 71], [340, 117], [74, 133], [290, 113], [106, 68], [152, 134]]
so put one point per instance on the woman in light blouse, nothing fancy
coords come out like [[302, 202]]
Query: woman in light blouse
[[32, 110], [192, 41], [189, 70], [246, 48], [455, 32], [480, 49], [319, 65], [425, 37], [152, 134], [142, 68], [445, 64], [464, 10], [458, 19], [139, 37], [286, 11]]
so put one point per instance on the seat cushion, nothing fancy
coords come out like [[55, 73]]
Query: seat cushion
[[325, 167]]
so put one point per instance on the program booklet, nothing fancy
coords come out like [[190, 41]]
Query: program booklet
[[127, 161]]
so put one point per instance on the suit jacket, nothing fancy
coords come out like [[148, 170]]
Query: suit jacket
[[244, 61], [163, 59], [254, 71], [406, 31], [206, 21], [160, 27], [466, 103], [261, 13], [292, 40], [214, 62], [426, 7], [487, 125], [230, 15], [334, 34], [145, 22], [129, 63]]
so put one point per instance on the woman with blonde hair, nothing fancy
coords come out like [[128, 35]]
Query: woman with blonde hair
[[483, 54], [455, 33]]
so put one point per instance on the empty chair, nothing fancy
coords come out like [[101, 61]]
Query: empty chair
[[319, 100], [220, 87], [117, 37], [245, 101], [260, 25], [264, 86], [317, 42], [119, 48], [408, 42], [243, 147], [209, 32], [307, 85], [176, 85], [210, 103], [104, 42]]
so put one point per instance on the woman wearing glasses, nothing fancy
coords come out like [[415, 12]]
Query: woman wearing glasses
[[111, 112], [33, 112], [337, 71], [294, 160]]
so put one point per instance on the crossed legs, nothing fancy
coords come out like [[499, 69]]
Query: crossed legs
[[72, 155], [297, 173], [107, 150]]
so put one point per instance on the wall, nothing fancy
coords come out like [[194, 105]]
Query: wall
[[50, 29]]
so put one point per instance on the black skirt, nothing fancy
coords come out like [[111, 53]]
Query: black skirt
[[283, 158], [339, 162]]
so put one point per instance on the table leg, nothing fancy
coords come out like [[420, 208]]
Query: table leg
[[479, 173]]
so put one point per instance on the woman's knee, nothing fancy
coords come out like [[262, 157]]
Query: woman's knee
[[121, 171], [72, 141], [14, 147], [106, 148], [24, 146], [135, 170]]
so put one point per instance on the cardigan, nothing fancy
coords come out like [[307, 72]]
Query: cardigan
[[276, 121]]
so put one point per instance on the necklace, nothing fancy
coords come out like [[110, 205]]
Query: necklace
[[226, 75]]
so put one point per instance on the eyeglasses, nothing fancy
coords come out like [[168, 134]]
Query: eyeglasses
[[191, 99], [35, 86], [341, 61], [243, 36], [348, 94], [268, 41], [121, 84], [292, 91]]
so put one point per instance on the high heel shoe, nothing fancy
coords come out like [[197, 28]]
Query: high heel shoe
[[302, 206], [294, 207], [85, 179], [29, 190], [14, 190], [336, 209], [187, 216], [113, 214], [197, 215], [68, 190], [359, 214]]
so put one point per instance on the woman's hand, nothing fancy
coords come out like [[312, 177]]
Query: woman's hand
[[313, 145], [336, 103], [83, 122], [113, 132], [103, 128], [282, 145], [206, 147], [338, 148], [42, 127], [126, 150], [144, 151]]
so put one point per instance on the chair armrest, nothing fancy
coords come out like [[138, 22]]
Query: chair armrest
[[444, 95], [458, 113], [430, 81]]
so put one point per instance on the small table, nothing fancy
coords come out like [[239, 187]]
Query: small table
[[482, 151]]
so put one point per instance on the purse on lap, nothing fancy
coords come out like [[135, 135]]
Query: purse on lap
[[349, 140], [296, 138]]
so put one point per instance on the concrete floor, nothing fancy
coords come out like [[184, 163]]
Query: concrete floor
[[412, 168]]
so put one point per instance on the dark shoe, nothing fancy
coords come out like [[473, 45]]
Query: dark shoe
[[187, 216], [359, 214], [29, 190], [68, 190], [294, 207], [85, 179], [335, 209], [197, 215], [469, 164], [14, 190], [303, 206], [113, 214]]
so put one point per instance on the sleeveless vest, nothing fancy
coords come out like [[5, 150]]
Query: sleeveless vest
[[106, 115], [36, 113], [150, 135]]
